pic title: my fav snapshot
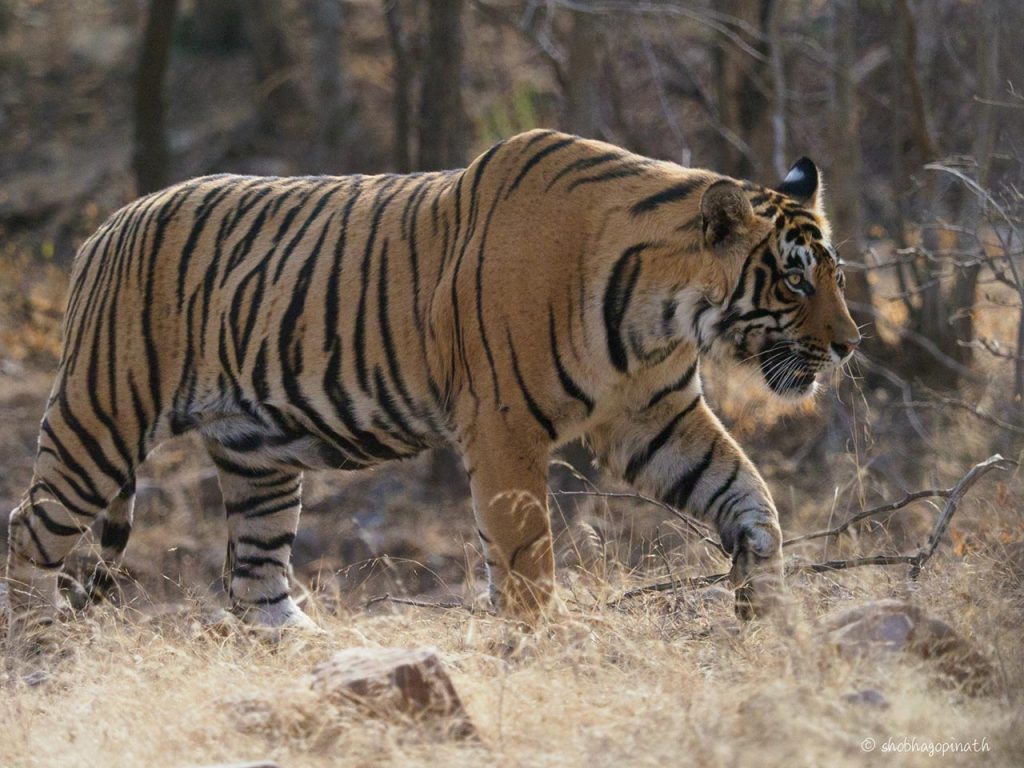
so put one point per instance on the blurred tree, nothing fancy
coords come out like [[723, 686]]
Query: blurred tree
[[217, 25], [403, 74], [280, 102], [443, 126], [581, 111], [326, 17], [740, 63], [923, 281], [150, 158], [845, 179], [966, 283]]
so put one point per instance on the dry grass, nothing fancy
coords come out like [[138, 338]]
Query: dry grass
[[662, 682]]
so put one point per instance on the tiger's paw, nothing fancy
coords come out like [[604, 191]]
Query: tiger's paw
[[756, 571], [530, 604], [283, 616]]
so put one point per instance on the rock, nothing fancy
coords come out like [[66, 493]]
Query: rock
[[869, 697], [257, 764], [897, 626], [412, 681]]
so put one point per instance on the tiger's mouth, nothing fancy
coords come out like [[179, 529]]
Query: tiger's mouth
[[787, 372]]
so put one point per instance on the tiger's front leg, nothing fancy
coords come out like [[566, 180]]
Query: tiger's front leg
[[508, 479], [676, 450]]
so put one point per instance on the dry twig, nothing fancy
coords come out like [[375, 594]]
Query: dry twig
[[387, 597], [915, 560]]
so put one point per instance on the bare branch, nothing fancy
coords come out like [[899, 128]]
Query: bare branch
[[444, 605], [942, 401], [915, 560], [942, 493]]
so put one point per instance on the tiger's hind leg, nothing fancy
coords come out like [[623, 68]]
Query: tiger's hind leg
[[262, 508], [77, 473], [115, 529]]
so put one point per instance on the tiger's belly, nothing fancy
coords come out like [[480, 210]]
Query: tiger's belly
[[272, 437]]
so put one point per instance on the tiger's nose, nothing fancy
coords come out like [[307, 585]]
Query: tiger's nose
[[846, 347]]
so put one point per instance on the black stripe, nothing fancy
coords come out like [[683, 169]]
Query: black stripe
[[93, 497], [641, 459], [680, 493], [571, 387], [280, 598], [535, 410], [584, 164], [115, 535], [387, 403], [622, 172], [285, 539], [379, 205], [44, 561], [679, 191], [251, 502], [227, 465], [200, 217], [390, 355], [617, 295], [51, 525], [285, 505], [709, 507], [522, 548], [529, 165], [332, 305], [480, 299], [682, 383], [300, 233], [63, 499], [163, 217]]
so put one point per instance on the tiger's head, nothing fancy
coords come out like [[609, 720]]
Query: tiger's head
[[785, 313]]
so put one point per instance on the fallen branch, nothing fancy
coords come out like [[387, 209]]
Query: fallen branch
[[444, 605], [915, 560], [692, 582]]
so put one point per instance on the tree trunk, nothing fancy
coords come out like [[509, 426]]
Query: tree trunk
[[932, 317], [281, 105], [327, 21], [582, 104], [778, 60], [965, 286], [443, 130], [151, 156], [402, 99], [844, 179], [742, 105], [217, 25]]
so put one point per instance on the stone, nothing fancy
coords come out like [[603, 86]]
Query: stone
[[410, 681], [868, 697], [899, 627]]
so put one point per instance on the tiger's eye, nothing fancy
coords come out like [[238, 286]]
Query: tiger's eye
[[794, 279]]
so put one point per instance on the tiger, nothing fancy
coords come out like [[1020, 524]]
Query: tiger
[[558, 288]]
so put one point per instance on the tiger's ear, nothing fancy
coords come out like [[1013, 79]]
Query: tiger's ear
[[726, 214], [803, 183]]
